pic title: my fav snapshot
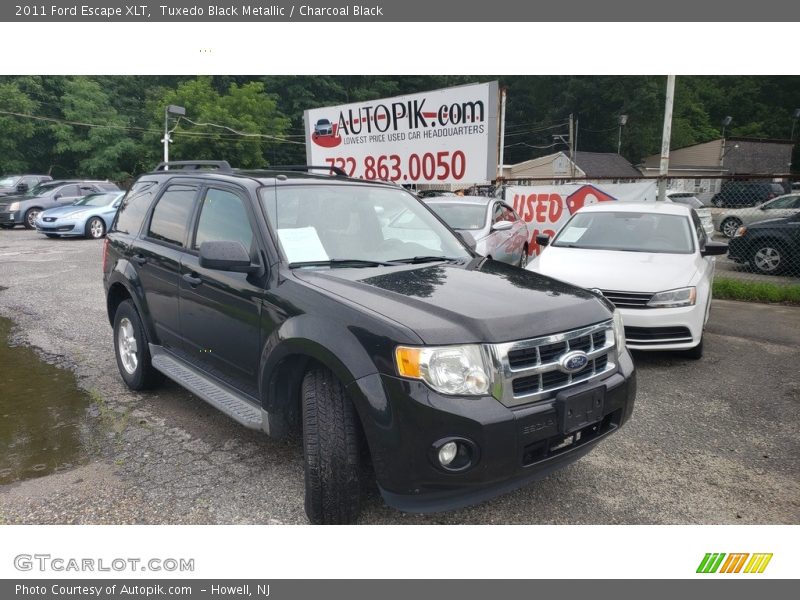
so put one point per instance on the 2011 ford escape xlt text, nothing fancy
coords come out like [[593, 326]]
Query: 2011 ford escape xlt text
[[294, 302]]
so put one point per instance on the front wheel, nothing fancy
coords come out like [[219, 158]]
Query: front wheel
[[30, 218], [695, 353], [95, 228], [132, 352], [768, 258], [730, 226], [523, 260], [331, 450]]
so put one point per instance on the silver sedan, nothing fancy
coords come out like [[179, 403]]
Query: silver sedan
[[729, 221], [498, 231]]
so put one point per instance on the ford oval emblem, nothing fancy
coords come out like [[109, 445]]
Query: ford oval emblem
[[572, 362]]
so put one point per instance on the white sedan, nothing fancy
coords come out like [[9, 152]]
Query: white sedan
[[652, 260]]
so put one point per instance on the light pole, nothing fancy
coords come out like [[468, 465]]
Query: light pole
[[725, 122], [171, 109], [795, 116], [623, 120]]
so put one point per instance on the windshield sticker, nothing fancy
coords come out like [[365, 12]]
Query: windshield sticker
[[302, 244]]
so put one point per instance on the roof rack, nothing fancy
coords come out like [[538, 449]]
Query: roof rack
[[331, 169], [193, 165]]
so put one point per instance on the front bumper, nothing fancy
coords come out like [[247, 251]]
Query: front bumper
[[58, 227], [10, 218], [403, 420], [664, 328]]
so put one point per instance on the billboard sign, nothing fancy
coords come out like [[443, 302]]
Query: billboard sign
[[443, 136]]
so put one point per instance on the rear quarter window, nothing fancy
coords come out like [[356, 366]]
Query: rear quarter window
[[134, 207]]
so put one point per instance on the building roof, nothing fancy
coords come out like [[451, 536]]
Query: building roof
[[605, 164]]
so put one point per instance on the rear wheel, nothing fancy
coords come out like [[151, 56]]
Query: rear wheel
[[30, 217], [95, 228], [768, 258], [730, 226], [132, 352], [331, 449]]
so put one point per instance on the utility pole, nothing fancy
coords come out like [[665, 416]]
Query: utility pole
[[665, 139], [170, 110], [499, 173], [571, 146]]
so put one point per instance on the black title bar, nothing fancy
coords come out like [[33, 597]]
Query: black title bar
[[402, 11]]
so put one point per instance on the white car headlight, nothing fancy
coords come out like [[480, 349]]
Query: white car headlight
[[619, 332], [671, 298], [13, 206], [455, 370]]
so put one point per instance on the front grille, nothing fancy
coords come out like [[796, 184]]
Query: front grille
[[644, 336], [531, 371], [628, 299]]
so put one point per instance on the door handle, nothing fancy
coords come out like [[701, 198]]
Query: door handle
[[139, 259], [192, 281]]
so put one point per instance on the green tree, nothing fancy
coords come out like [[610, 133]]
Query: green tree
[[15, 132]]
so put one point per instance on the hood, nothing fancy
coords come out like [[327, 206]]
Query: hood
[[452, 303], [770, 223], [68, 210], [615, 270], [8, 199]]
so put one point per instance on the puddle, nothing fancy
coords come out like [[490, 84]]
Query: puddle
[[44, 415]]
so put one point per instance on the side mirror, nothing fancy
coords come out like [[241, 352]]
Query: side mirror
[[468, 240], [714, 249], [502, 226], [226, 256], [57, 197], [543, 239]]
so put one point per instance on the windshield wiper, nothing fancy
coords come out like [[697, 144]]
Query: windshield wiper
[[424, 259], [342, 262]]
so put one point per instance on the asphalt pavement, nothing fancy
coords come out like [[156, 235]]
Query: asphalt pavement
[[711, 441]]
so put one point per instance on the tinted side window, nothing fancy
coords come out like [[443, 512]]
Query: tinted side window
[[171, 214], [134, 207], [223, 217], [497, 213], [68, 191], [698, 227]]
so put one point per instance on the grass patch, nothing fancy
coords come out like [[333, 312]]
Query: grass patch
[[752, 291]]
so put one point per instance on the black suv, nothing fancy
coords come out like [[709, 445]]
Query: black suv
[[746, 193], [286, 299]]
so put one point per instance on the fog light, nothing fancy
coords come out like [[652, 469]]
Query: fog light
[[447, 453]]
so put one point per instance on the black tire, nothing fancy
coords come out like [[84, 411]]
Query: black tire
[[30, 217], [95, 228], [729, 227], [143, 376], [7, 226], [523, 260], [768, 257], [52, 235], [695, 353], [332, 450]]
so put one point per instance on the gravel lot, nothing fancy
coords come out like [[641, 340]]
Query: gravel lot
[[714, 441]]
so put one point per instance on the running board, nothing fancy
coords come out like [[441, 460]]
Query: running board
[[221, 398]]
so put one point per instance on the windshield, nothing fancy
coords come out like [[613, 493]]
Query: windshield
[[317, 223], [627, 232], [461, 215], [41, 189], [97, 200], [9, 181]]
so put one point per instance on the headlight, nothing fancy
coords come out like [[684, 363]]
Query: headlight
[[619, 332], [13, 206], [672, 298], [740, 232], [456, 370]]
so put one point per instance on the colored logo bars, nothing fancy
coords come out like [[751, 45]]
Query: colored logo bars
[[718, 563]]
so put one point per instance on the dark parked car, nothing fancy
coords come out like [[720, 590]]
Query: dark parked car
[[24, 209], [770, 247], [276, 297], [19, 184], [746, 193]]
